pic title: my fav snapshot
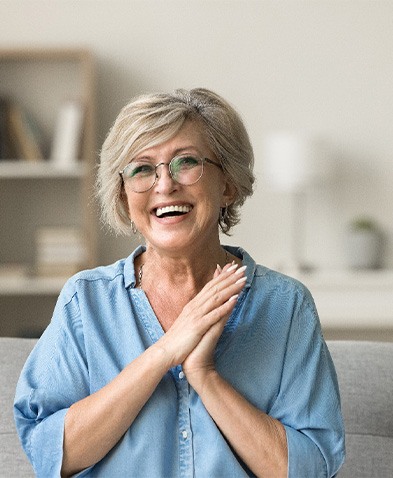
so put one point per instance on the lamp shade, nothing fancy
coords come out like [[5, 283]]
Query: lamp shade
[[293, 161]]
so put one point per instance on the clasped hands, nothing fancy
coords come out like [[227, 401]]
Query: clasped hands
[[193, 337]]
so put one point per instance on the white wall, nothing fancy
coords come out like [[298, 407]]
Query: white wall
[[324, 66]]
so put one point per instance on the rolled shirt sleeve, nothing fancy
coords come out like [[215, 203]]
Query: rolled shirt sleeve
[[308, 403], [42, 399]]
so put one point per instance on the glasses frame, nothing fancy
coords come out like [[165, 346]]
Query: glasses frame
[[156, 176]]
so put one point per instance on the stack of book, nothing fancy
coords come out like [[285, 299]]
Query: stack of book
[[12, 274], [60, 251]]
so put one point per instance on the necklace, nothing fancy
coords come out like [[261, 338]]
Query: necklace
[[140, 274], [140, 271]]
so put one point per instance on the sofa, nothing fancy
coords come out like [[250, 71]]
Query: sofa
[[365, 375]]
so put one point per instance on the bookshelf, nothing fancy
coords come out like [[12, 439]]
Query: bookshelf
[[45, 193]]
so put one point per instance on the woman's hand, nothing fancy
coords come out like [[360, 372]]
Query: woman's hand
[[200, 362], [203, 318]]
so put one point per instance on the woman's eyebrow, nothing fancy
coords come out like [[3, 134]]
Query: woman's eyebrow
[[143, 158], [183, 149]]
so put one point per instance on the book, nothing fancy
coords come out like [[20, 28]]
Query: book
[[67, 137], [6, 149], [24, 134]]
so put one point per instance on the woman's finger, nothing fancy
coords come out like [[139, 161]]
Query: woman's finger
[[220, 289]]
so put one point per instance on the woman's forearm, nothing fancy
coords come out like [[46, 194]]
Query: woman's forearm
[[95, 424], [258, 439]]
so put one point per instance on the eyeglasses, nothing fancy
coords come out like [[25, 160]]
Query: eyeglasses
[[141, 175]]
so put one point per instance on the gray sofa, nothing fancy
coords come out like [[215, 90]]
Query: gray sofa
[[365, 373]]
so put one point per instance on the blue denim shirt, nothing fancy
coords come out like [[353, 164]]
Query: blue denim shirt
[[272, 351]]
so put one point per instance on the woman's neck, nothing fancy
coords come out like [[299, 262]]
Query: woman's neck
[[170, 281], [188, 271]]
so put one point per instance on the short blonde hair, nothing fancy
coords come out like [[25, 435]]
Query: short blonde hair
[[152, 119]]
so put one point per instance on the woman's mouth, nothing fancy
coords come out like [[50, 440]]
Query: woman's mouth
[[168, 211]]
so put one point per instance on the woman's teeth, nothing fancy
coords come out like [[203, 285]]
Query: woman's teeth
[[160, 211]]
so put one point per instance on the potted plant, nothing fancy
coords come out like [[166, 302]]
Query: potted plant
[[363, 244]]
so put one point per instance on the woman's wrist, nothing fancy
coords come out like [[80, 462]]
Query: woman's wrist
[[160, 356], [202, 379]]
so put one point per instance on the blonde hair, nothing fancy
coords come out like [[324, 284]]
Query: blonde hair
[[152, 119]]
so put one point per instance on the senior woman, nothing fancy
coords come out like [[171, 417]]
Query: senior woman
[[186, 358]]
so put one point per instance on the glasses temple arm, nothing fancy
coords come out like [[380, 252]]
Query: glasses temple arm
[[212, 162]]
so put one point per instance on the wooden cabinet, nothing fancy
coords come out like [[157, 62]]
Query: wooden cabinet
[[44, 195]]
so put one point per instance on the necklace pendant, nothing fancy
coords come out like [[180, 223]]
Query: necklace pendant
[[140, 274]]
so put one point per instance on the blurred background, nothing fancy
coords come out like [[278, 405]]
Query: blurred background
[[312, 81]]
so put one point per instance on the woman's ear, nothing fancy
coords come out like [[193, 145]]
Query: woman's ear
[[229, 194], [123, 199]]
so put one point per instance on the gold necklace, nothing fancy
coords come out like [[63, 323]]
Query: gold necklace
[[140, 271], [140, 274]]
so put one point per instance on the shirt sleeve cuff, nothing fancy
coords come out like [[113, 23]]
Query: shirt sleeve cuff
[[304, 457], [47, 445]]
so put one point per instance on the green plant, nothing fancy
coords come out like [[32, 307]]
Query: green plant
[[364, 223]]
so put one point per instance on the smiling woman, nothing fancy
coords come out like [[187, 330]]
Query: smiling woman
[[186, 342], [151, 120]]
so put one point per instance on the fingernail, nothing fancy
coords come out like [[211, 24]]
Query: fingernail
[[242, 279], [234, 297], [232, 268], [219, 268], [242, 269]]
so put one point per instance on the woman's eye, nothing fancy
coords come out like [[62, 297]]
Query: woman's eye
[[186, 162], [141, 170]]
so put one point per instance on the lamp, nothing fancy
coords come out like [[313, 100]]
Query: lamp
[[294, 161]]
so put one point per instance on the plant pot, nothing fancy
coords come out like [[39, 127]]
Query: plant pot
[[363, 249]]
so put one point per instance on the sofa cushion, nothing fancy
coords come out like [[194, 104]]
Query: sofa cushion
[[365, 376]]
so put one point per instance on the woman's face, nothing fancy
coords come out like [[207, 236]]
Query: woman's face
[[197, 224]]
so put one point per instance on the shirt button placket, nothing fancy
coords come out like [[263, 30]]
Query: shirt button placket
[[186, 464]]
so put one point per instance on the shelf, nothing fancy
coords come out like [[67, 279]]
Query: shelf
[[38, 286], [352, 299], [36, 170]]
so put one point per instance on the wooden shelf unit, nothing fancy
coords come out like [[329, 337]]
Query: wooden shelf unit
[[37, 194]]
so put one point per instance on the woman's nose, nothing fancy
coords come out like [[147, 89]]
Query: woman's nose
[[164, 180]]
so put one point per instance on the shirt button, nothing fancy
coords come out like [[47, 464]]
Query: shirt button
[[181, 375], [184, 434]]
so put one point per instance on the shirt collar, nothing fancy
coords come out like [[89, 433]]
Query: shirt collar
[[246, 259], [130, 273], [129, 267]]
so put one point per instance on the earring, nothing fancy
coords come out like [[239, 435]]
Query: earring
[[133, 227], [223, 214]]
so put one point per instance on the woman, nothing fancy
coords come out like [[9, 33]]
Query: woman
[[186, 358]]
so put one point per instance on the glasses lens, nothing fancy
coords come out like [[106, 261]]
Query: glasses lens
[[186, 170], [140, 175]]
